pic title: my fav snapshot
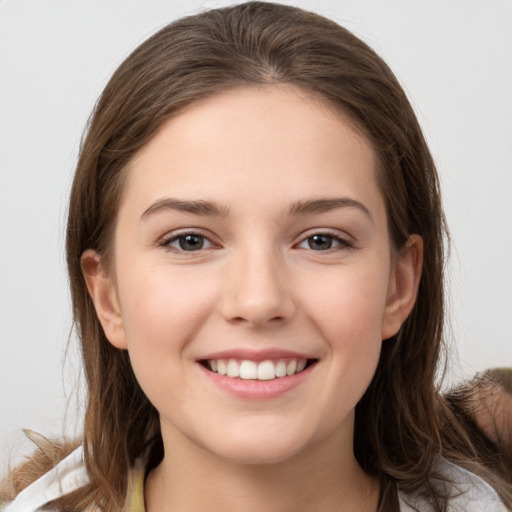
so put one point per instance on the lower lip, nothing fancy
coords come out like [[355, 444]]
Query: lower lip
[[257, 389]]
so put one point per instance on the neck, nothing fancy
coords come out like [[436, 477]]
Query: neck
[[325, 478]]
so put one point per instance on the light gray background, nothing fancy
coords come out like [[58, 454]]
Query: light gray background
[[454, 59]]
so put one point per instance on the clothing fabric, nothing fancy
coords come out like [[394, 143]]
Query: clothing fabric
[[469, 492]]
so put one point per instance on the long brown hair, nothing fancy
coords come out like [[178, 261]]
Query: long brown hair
[[398, 435]]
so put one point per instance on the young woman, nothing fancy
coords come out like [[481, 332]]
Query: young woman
[[255, 249]]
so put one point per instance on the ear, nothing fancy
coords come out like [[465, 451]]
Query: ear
[[403, 286], [103, 293]]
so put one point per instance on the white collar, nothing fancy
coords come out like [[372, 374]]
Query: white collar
[[65, 477], [469, 492]]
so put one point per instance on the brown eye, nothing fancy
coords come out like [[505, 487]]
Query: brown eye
[[191, 242], [188, 242], [320, 242], [324, 242]]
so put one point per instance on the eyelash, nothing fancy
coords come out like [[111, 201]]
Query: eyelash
[[344, 243], [176, 237], [167, 242]]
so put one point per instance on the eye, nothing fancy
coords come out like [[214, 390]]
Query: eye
[[188, 242], [324, 242]]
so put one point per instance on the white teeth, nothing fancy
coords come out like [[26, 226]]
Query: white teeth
[[280, 369], [265, 370], [233, 368], [292, 366], [221, 368], [248, 370]]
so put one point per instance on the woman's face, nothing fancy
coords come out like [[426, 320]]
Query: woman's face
[[252, 239]]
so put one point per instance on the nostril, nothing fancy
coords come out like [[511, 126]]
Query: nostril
[[256, 320]]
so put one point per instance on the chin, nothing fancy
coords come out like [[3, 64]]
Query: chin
[[258, 446], [257, 455]]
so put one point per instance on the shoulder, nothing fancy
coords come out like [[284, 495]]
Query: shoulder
[[469, 493], [65, 477]]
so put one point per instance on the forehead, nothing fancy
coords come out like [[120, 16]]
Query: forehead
[[254, 141]]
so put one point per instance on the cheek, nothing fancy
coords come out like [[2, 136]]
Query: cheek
[[348, 313], [161, 309], [161, 312], [348, 304]]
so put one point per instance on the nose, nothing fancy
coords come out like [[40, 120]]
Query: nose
[[257, 290]]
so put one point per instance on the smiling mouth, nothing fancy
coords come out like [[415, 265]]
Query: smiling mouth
[[262, 370]]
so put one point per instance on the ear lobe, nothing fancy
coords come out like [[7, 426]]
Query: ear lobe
[[403, 286], [103, 293]]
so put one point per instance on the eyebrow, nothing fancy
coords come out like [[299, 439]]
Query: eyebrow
[[208, 208], [313, 206], [196, 207]]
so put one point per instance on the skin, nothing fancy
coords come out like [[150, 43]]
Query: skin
[[256, 284]]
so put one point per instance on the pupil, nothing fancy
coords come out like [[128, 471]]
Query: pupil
[[191, 242], [320, 242]]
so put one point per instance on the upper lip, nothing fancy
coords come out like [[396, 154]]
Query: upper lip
[[256, 355]]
